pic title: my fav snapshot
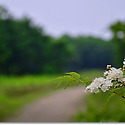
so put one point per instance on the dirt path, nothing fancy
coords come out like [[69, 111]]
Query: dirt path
[[57, 107]]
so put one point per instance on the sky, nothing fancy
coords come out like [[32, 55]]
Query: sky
[[74, 17]]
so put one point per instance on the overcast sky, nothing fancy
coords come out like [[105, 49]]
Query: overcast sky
[[75, 17]]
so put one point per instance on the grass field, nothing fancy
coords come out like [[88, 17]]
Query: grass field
[[97, 110], [17, 91]]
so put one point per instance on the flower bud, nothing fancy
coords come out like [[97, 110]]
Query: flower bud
[[124, 62], [108, 66], [120, 68], [121, 85], [123, 67]]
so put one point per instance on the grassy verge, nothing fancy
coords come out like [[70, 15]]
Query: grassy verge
[[97, 110], [17, 91]]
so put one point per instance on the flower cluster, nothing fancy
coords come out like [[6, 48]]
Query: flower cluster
[[114, 74], [106, 82]]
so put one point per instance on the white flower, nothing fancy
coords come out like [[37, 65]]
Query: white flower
[[98, 81], [104, 88], [108, 83], [93, 87], [95, 90], [123, 80], [114, 74], [88, 89], [105, 83], [124, 62], [106, 73]]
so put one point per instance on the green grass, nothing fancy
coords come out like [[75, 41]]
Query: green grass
[[17, 91], [25, 80], [99, 111]]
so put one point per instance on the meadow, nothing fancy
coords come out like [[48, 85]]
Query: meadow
[[17, 91]]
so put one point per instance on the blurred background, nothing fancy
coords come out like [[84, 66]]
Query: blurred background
[[42, 39]]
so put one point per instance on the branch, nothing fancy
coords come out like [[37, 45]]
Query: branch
[[117, 94]]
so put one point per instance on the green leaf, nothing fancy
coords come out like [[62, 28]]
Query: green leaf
[[64, 79], [86, 79], [59, 80], [80, 82], [124, 73], [70, 78], [69, 83], [74, 74]]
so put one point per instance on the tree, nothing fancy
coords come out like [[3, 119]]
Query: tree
[[118, 31]]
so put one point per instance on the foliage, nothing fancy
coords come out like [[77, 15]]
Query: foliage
[[86, 52], [112, 84], [112, 80], [71, 78], [97, 110], [118, 31], [26, 49], [100, 109]]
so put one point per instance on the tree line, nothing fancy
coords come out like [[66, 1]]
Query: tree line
[[26, 49]]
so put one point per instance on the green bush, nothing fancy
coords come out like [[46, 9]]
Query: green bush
[[97, 110]]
